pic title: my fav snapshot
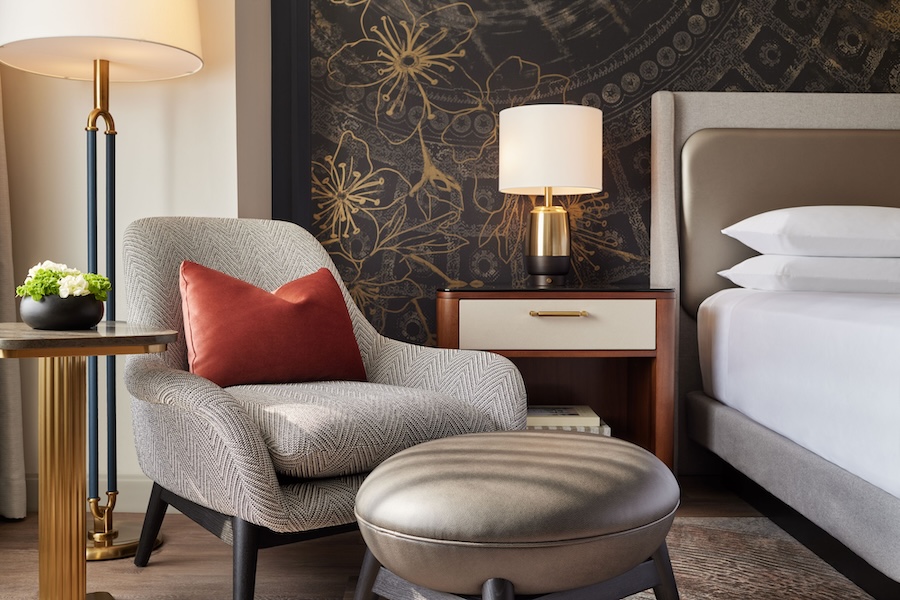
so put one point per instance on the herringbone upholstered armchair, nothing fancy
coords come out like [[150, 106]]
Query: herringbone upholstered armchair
[[265, 464]]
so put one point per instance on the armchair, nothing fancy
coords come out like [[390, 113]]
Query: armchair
[[209, 450]]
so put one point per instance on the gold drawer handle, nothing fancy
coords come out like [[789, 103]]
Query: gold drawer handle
[[558, 313]]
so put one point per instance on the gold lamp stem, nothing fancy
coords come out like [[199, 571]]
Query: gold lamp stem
[[548, 196], [101, 98]]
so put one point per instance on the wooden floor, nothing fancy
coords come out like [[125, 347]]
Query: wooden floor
[[192, 563]]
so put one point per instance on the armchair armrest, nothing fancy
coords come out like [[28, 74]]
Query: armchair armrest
[[491, 382], [193, 438]]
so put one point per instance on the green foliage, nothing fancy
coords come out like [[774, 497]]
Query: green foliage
[[98, 285], [44, 283]]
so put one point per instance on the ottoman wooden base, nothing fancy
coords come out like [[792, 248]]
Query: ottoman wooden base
[[530, 513], [656, 572]]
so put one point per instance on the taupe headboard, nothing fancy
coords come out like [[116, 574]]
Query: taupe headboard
[[755, 168], [730, 174]]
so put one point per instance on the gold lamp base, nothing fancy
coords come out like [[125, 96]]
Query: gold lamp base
[[108, 541], [547, 246], [122, 543]]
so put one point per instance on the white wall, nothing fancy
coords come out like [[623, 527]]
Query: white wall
[[177, 154]]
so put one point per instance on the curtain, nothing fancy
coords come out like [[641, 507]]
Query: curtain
[[12, 451]]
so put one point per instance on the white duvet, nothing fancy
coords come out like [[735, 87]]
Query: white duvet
[[822, 369]]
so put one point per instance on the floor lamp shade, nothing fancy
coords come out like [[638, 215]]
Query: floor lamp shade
[[553, 150], [143, 40]]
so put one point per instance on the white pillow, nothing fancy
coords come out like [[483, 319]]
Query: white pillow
[[869, 231], [817, 274]]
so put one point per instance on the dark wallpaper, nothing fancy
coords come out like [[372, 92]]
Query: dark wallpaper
[[405, 93]]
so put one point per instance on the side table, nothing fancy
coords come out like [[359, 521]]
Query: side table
[[612, 349], [62, 394]]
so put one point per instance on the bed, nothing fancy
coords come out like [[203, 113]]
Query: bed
[[797, 390]]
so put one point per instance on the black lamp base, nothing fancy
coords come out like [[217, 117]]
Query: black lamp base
[[545, 281], [546, 271]]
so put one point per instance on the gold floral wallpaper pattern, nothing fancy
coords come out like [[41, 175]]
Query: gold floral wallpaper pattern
[[404, 101]]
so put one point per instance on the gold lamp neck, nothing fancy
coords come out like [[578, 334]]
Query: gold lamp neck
[[548, 196], [101, 98]]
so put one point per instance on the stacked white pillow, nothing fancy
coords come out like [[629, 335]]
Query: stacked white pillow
[[820, 248]]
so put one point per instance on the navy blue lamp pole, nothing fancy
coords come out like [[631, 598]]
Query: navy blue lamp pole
[[104, 532]]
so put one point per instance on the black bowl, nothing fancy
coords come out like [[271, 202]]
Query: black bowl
[[53, 312]]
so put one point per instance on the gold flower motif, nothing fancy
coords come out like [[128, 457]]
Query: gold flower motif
[[403, 57], [345, 182], [383, 265], [591, 233]]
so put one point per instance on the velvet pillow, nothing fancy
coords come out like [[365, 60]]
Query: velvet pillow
[[237, 333]]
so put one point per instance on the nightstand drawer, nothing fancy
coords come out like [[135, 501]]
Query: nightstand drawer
[[545, 324]]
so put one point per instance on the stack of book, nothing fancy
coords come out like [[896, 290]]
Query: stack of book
[[566, 417]]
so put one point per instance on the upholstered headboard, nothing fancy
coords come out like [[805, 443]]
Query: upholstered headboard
[[838, 159], [780, 149], [731, 174]]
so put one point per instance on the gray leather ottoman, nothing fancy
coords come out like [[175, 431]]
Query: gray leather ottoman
[[520, 512]]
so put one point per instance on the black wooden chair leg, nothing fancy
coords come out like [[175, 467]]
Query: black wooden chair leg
[[156, 511], [245, 551], [667, 588], [498, 589]]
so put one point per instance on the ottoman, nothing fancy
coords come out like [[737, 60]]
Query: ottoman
[[517, 512]]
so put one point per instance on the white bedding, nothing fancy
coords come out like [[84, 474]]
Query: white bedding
[[822, 369]]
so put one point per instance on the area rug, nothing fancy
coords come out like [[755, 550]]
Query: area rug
[[749, 558]]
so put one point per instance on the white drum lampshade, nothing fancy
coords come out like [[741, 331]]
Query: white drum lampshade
[[143, 40], [550, 149]]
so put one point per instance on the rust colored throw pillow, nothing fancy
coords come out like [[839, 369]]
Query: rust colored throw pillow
[[237, 333]]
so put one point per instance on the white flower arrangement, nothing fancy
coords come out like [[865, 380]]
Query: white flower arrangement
[[50, 278]]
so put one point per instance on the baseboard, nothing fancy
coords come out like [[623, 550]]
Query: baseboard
[[134, 492], [824, 545]]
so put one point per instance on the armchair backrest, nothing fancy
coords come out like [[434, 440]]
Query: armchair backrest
[[264, 253]]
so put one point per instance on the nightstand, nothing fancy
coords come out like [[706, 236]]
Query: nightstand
[[612, 349]]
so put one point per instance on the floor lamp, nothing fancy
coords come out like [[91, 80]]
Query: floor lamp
[[102, 41]]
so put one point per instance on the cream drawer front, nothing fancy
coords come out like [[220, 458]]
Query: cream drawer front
[[509, 325]]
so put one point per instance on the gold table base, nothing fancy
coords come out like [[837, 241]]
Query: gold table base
[[61, 515], [61, 442]]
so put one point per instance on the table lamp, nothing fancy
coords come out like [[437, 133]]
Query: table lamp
[[102, 41], [554, 150]]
